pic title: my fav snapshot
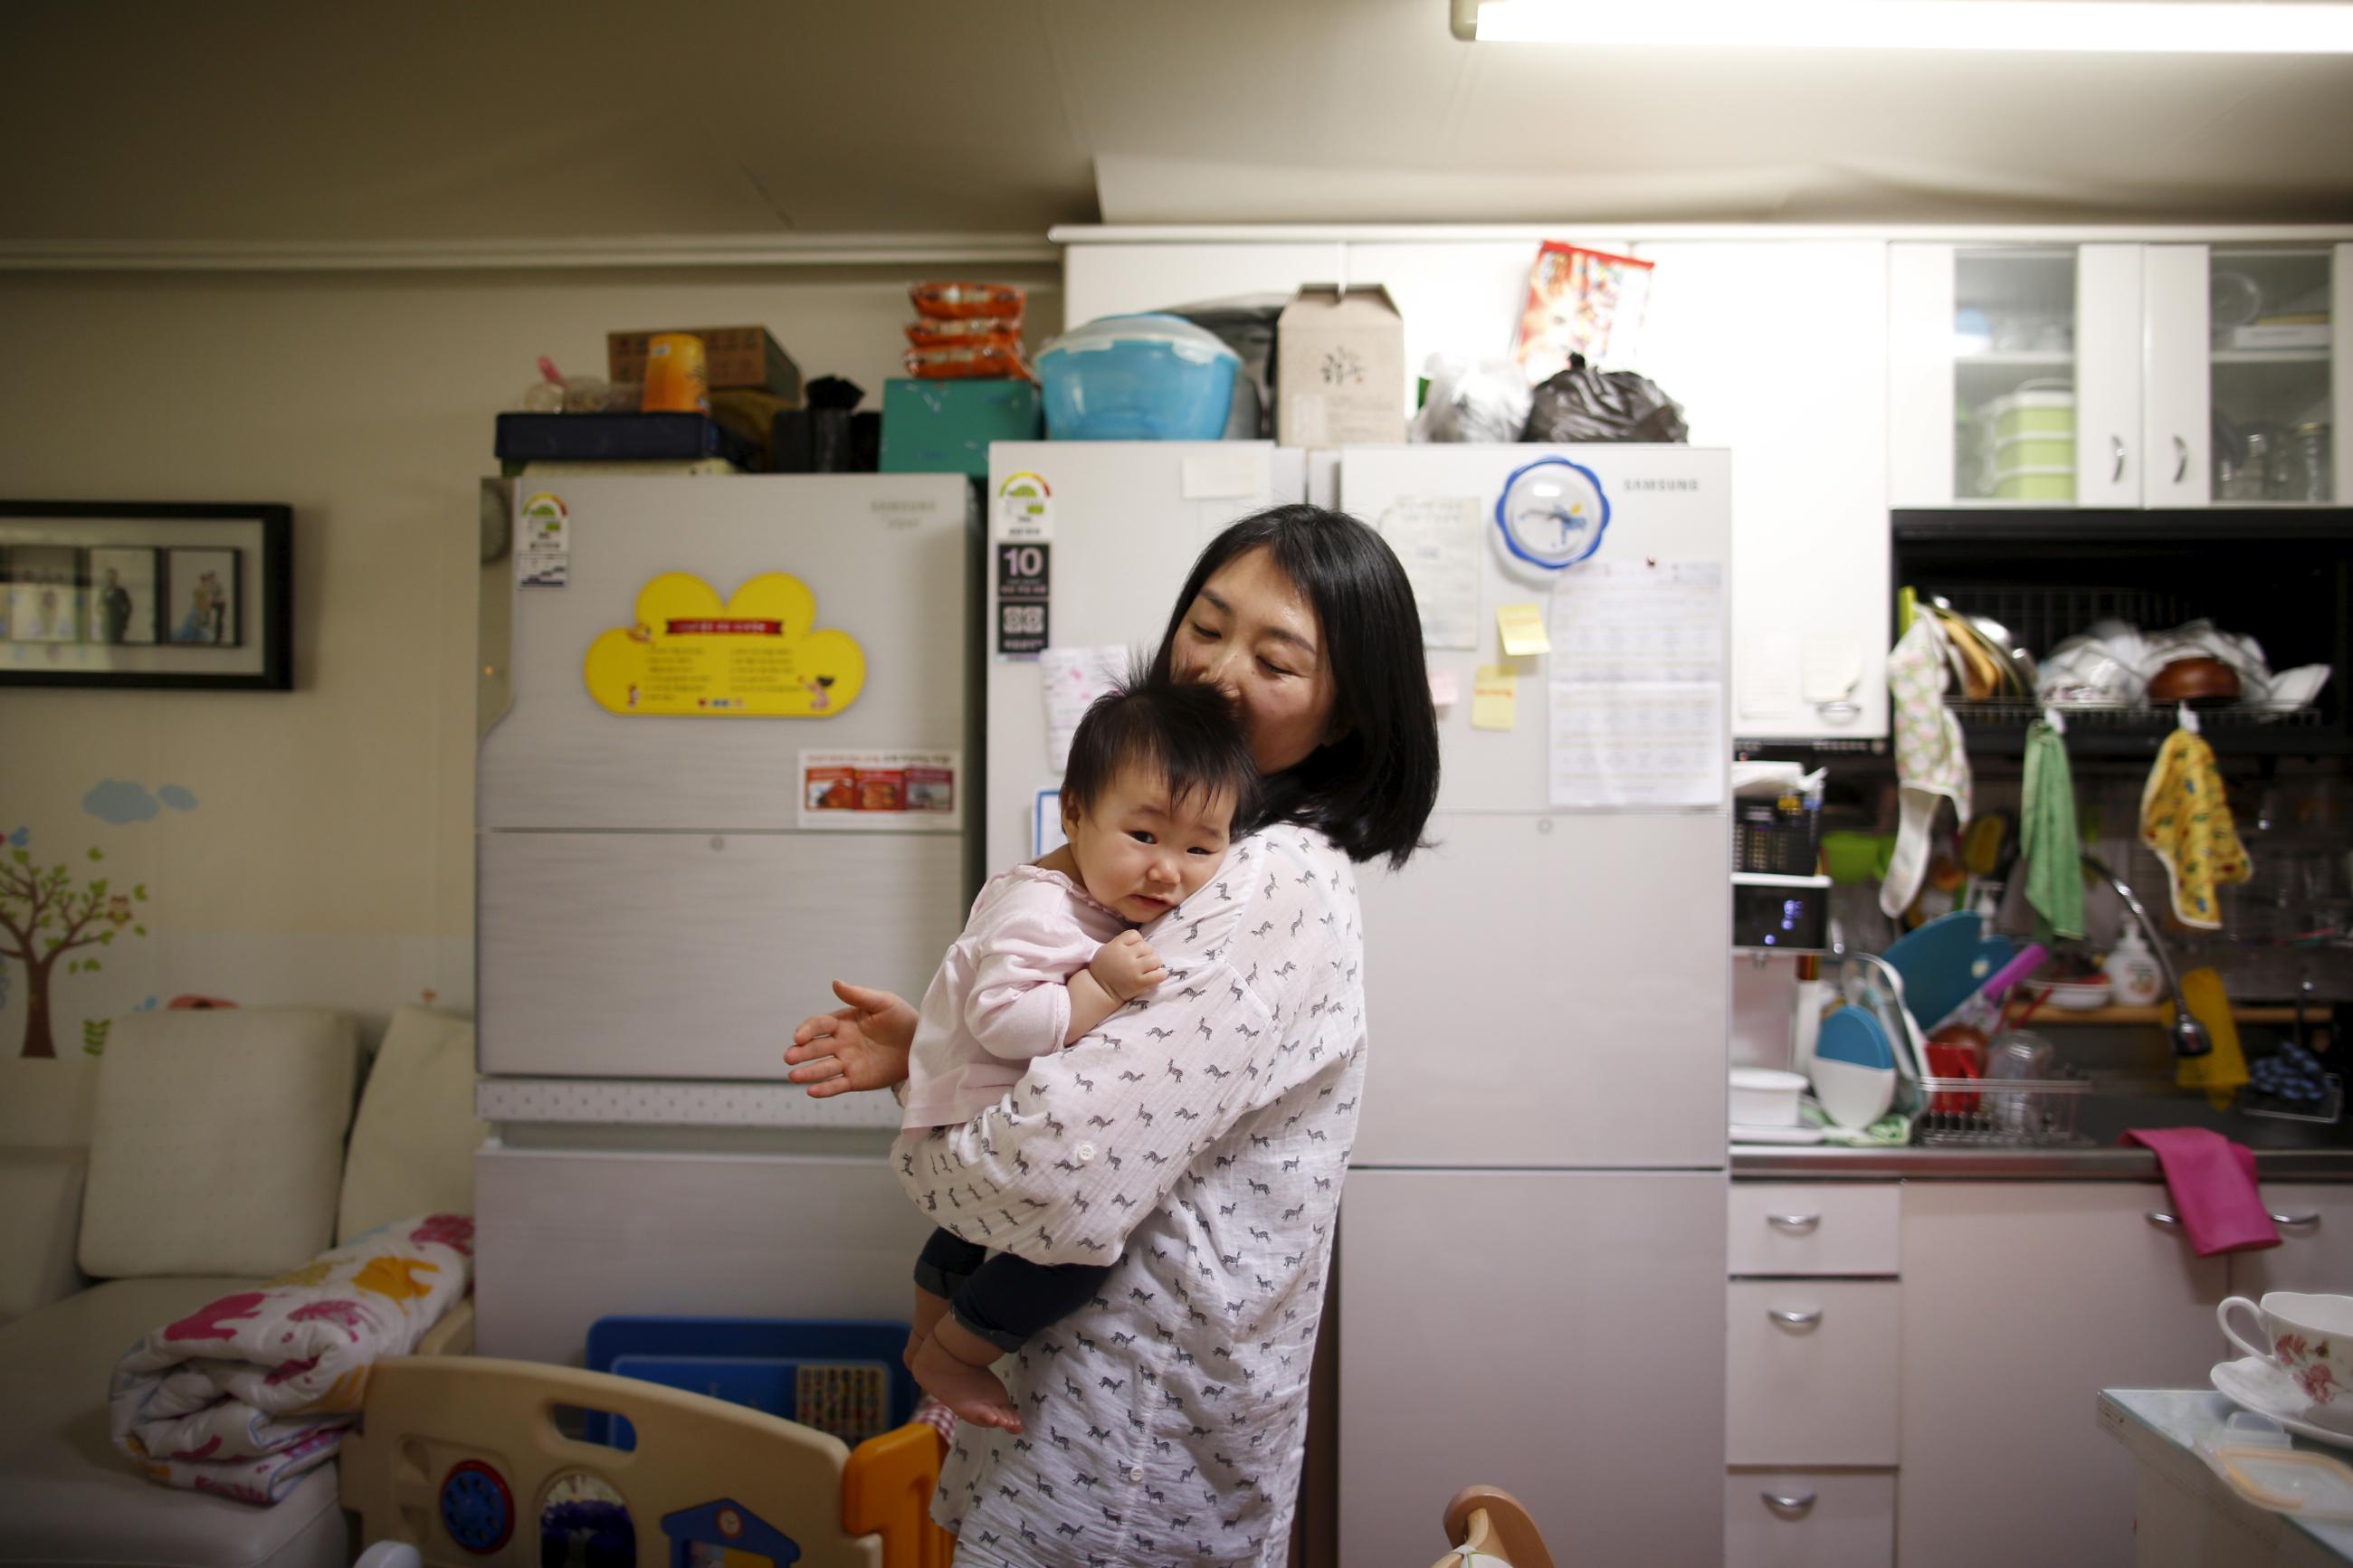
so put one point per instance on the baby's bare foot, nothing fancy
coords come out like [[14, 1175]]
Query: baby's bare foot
[[973, 1392]]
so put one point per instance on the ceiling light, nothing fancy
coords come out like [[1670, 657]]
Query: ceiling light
[[2105, 27]]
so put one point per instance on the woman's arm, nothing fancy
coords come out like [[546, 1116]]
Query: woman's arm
[[861, 1046], [1095, 1136]]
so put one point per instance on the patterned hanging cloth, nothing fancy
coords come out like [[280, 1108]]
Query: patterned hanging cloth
[[1931, 764], [2186, 820]]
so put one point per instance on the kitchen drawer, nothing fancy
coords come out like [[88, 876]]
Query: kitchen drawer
[[1848, 1523], [1817, 1390], [1813, 1227]]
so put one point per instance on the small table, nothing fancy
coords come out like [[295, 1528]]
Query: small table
[[2186, 1515]]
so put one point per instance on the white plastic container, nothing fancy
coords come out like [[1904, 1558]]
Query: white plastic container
[[1761, 1096], [2133, 973]]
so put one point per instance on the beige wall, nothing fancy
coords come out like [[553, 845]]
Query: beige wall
[[329, 859]]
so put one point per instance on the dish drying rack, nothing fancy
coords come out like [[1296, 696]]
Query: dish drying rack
[[2002, 1113]]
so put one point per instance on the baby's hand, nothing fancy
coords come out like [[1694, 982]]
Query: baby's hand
[[1126, 966]]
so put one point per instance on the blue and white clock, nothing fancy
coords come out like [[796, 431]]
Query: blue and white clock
[[1553, 513]]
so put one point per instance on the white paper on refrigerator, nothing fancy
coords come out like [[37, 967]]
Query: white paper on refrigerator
[[1634, 620], [1072, 678], [1438, 540], [1657, 743]]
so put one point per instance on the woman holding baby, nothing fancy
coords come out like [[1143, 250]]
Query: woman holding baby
[[1196, 1139]]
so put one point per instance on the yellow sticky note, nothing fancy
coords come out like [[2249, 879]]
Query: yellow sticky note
[[1524, 630], [1445, 689], [1494, 698]]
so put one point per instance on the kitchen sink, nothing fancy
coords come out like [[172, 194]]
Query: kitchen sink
[[2117, 1104]]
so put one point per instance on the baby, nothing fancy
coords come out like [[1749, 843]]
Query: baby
[[1158, 777]]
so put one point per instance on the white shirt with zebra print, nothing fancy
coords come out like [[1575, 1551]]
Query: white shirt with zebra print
[[1198, 1138]]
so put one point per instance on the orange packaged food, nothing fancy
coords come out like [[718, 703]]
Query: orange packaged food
[[952, 301], [969, 361], [941, 332]]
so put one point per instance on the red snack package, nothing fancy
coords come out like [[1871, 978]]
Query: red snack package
[[969, 361], [952, 301], [940, 333]]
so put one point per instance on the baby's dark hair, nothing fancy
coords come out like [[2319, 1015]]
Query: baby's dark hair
[[1187, 734]]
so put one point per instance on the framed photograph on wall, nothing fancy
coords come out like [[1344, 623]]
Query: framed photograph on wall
[[146, 595]]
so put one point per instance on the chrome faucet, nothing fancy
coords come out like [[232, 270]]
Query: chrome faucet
[[2189, 1035]]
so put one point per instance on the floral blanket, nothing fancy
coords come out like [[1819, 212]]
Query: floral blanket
[[246, 1393]]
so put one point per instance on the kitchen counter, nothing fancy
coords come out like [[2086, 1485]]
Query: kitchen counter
[[1827, 1161], [2187, 1516]]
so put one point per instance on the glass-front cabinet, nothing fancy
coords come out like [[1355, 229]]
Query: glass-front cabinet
[[2118, 374]]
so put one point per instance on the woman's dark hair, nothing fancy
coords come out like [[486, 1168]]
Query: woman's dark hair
[[1371, 790], [1189, 736]]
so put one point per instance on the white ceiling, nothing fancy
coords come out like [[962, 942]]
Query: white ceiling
[[270, 122]]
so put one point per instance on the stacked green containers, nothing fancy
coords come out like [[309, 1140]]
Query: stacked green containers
[[2030, 435]]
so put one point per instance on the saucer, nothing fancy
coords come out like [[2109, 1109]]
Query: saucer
[[1741, 1134], [2257, 1383]]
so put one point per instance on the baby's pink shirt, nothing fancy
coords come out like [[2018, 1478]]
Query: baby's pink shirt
[[1000, 996]]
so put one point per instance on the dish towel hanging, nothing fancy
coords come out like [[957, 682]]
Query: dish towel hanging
[[2212, 1181], [2186, 820], [2047, 840], [1930, 764]]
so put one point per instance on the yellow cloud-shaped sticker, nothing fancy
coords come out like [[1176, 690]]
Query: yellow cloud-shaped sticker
[[759, 655]]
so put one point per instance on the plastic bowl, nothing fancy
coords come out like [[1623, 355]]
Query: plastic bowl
[[1761, 1096], [1138, 378]]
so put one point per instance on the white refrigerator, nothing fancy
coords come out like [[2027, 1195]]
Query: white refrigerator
[[1531, 1267], [730, 751]]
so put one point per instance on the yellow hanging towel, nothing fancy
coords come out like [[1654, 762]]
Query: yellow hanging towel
[[2185, 819]]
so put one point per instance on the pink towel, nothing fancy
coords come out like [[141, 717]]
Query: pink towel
[[2214, 1184]]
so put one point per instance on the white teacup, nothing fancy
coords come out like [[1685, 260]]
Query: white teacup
[[2310, 1338]]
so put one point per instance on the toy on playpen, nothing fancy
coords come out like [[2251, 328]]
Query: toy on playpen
[[1490, 1529], [460, 1461]]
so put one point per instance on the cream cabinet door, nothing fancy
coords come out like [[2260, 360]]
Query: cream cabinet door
[[2177, 440], [2315, 1249], [2021, 1301]]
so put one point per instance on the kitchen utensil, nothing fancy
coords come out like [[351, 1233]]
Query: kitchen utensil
[[2259, 1384], [1853, 1097], [1852, 1035], [2311, 1339], [2073, 995], [1944, 963], [2201, 681], [1954, 1058], [1868, 982], [1760, 1097]]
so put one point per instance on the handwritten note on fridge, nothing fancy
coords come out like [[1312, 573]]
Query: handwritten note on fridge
[[1073, 679], [1437, 541], [1661, 743], [1638, 620]]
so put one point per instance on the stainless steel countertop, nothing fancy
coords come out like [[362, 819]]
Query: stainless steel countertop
[[1824, 1162]]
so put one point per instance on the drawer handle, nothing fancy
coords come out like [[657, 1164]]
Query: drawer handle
[[2297, 1221], [2118, 442], [1790, 1320], [1795, 1224], [1789, 1506], [2162, 1221]]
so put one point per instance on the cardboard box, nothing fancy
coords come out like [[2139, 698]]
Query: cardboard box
[[945, 426], [1339, 367], [732, 356]]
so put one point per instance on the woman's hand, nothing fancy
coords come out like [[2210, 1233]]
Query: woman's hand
[[862, 1045]]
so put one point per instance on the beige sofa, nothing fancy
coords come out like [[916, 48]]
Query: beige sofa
[[205, 1153]]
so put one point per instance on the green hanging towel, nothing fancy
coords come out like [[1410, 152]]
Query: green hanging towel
[[2047, 840]]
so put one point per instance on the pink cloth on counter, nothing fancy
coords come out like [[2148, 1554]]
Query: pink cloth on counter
[[2214, 1184]]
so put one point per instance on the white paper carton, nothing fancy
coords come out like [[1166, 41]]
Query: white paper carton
[[1340, 368]]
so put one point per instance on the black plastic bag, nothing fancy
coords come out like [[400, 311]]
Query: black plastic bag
[[1582, 404]]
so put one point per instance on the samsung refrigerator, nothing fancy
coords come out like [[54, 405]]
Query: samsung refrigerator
[[730, 751], [1531, 1267]]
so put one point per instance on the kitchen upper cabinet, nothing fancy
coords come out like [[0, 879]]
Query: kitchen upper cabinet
[[2315, 1249], [1777, 351], [2118, 374], [2021, 1301]]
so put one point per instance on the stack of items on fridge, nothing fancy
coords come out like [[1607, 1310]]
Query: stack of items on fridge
[[677, 400], [968, 382]]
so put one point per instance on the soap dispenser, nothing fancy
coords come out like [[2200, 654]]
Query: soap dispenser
[[2133, 973]]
